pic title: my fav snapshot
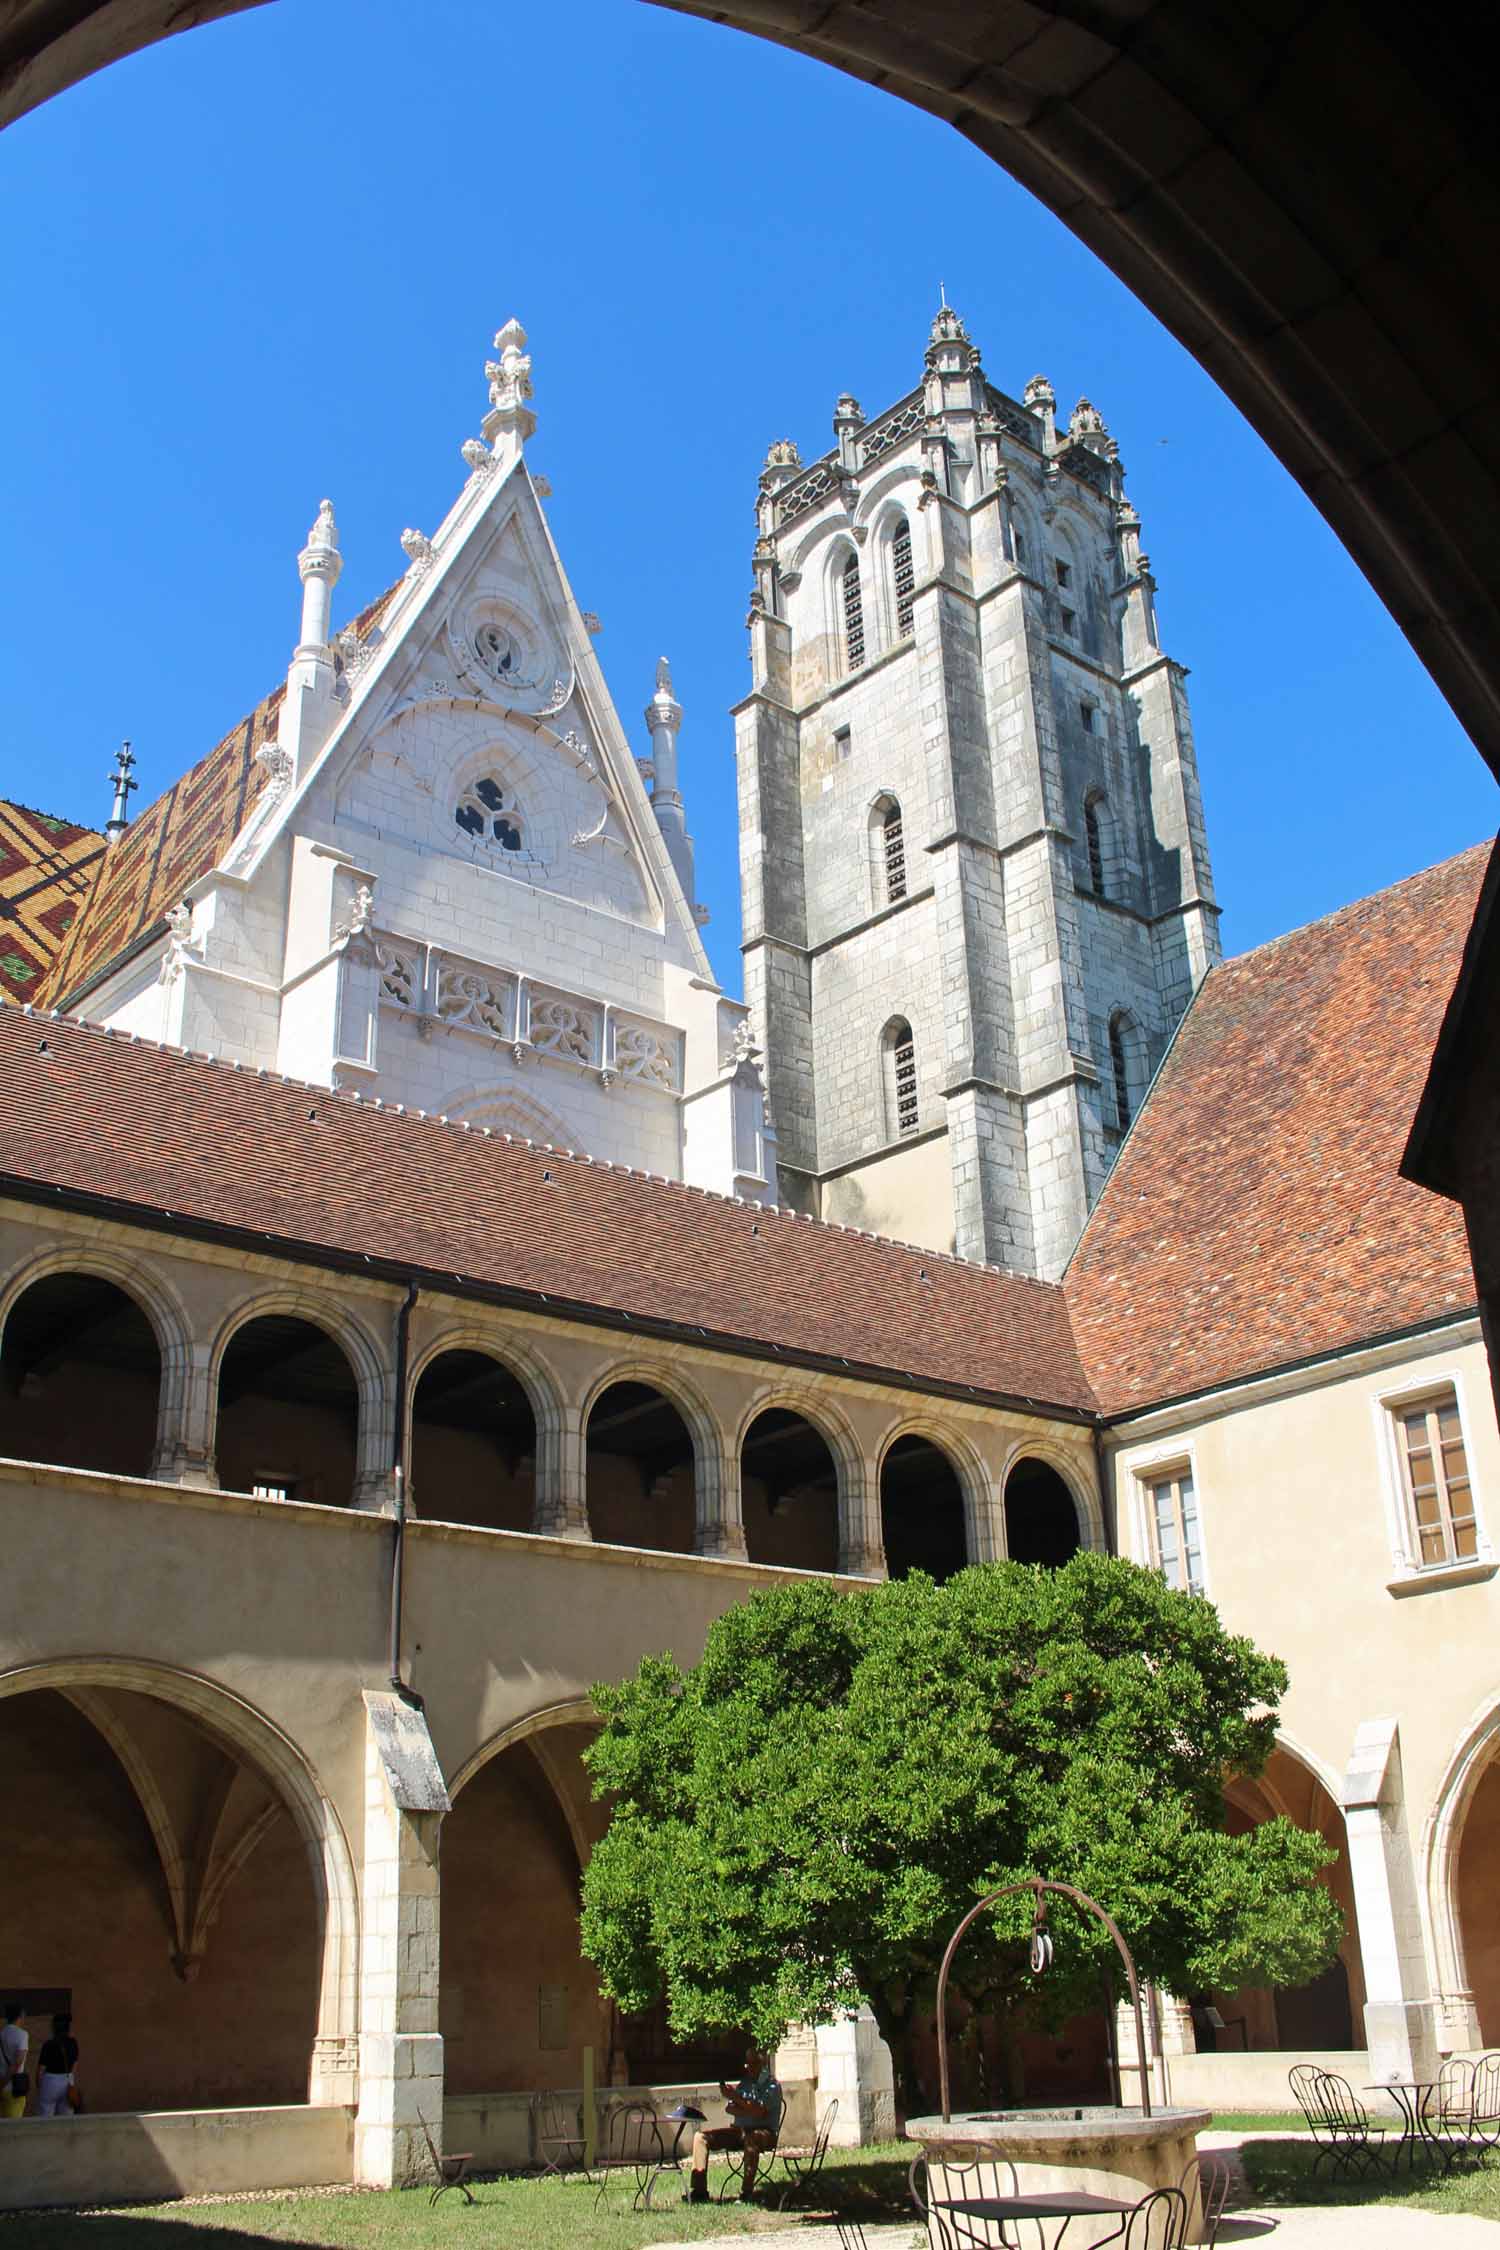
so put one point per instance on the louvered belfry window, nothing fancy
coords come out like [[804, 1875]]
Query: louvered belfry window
[[893, 837], [1095, 847], [904, 1077], [903, 579], [854, 616], [1121, 1078]]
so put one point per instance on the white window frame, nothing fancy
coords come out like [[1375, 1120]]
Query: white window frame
[[1411, 1574], [1148, 1469]]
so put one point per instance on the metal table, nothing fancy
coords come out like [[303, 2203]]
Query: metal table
[[1413, 2097], [1066, 2204]]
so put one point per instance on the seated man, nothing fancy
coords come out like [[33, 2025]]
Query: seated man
[[756, 2105]]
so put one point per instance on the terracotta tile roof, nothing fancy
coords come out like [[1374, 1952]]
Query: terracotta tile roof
[[298, 1166], [47, 868], [1255, 1216], [172, 844]]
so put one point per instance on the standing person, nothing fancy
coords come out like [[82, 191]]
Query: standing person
[[15, 2040], [756, 2104], [56, 2064]]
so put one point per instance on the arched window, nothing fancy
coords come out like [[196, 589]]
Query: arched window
[[1118, 1073], [893, 853], [903, 579], [852, 611], [1094, 840], [900, 1079]]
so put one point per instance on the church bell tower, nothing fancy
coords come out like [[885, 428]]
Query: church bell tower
[[975, 878]]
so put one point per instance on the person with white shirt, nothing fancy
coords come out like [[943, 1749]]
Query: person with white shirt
[[15, 2043]]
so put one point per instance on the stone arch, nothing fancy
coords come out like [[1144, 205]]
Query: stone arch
[[709, 1452], [1299, 1786], [1127, 1066], [522, 1826], [536, 1378], [158, 1302], [1082, 1491], [1034, 1491], [375, 1428], [968, 1474], [1472, 1759], [898, 1096], [858, 1540], [512, 1111], [335, 1889], [889, 510]]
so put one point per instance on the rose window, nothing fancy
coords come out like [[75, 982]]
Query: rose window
[[484, 813]]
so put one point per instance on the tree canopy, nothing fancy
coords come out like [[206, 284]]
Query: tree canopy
[[800, 1820]]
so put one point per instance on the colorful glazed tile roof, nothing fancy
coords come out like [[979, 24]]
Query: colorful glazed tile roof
[[1255, 1216], [48, 867], [171, 845]]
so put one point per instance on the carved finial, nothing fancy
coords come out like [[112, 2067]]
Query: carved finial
[[119, 817], [848, 414], [509, 378], [664, 678], [782, 458], [1086, 420], [947, 328], [477, 454], [1039, 392]]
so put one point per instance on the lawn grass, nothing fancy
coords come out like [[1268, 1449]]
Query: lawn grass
[[1281, 2172], [510, 2213]]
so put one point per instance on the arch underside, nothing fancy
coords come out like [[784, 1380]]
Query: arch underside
[[1321, 270]]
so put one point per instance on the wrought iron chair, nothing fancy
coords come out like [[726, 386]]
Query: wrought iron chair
[[1352, 2143], [1451, 2114], [767, 2153], [631, 2142], [1204, 2187], [452, 2171], [940, 2178], [1484, 2109], [1158, 2222], [557, 2142], [802, 2166]]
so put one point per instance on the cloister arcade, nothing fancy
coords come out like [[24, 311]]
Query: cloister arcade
[[223, 1379]]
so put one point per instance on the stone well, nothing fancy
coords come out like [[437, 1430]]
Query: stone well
[[1102, 2150]]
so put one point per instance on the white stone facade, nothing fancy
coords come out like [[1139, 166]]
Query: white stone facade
[[997, 683], [454, 893]]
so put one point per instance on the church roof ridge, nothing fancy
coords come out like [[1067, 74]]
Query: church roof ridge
[[125, 1119]]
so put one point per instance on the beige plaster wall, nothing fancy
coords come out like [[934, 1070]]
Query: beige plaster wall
[[906, 1193], [1296, 1495], [137, 2159]]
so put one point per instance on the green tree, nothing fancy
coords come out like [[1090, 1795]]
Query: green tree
[[802, 1818]]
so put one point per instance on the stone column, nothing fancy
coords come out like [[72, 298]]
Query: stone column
[[185, 1419], [854, 2069], [400, 2050], [861, 1541], [1399, 2031], [720, 1507], [561, 1508]]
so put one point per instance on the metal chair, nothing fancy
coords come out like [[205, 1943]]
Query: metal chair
[[1484, 2109], [1452, 2110], [939, 2178], [767, 2153], [631, 2142], [1204, 2188], [1353, 2143], [1158, 2222], [557, 2142], [452, 2171], [802, 2166]]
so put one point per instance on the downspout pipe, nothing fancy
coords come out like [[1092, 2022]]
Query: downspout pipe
[[398, 1474]]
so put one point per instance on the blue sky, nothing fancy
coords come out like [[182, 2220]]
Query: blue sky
[[264, 262]]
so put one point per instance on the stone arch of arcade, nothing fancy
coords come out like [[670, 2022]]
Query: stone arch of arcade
[[1324, 276], [1327, 2014], [1460, 1851], [180, 1873], [518, 2000]]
